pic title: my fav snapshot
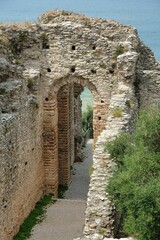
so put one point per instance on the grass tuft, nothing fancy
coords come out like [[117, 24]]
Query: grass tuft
[[61, 190], [36, 216], [117, 112]]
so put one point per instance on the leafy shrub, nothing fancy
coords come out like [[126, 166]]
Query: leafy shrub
[[121, 145], [134, 187], [148, 129]]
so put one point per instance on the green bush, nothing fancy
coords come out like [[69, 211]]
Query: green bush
[[121, 145], [87, 122], [148, 129], [134, 187]]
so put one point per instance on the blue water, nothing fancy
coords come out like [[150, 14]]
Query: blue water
[[143, 14]]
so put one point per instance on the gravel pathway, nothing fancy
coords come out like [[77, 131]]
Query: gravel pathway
[[65, 219]]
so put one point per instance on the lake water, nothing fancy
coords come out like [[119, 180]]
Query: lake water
[[142, 14]]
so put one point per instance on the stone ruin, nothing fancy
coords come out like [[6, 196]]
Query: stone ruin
[[44, 67]]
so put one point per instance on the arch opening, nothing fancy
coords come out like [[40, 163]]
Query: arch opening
[[62, 129], [70, 129]]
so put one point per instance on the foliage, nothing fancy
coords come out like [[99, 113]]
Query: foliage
[[148, 129], [102, 231], [119, 50], [35, 217], [87, 122], [122, 145], [117, 112], [30, 83], [135, 184], [61, 190]]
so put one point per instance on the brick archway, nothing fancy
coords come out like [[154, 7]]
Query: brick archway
[[71, 79], [59, 128]]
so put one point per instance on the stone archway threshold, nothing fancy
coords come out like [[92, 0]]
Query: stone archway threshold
[[64, 221]]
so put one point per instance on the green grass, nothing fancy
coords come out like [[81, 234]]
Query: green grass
[[36, 216]]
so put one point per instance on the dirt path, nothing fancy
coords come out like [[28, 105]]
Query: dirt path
[[65, 219]]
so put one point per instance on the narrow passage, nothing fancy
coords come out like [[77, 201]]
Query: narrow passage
[[80, 176], [65, 219]]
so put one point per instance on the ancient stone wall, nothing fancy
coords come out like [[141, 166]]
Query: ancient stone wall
[[43, 69], [21, 129], [21, 163]]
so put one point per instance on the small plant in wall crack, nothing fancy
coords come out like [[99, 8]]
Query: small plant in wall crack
[[117, 112], [119, 50], [101, 231], [30, 83]]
